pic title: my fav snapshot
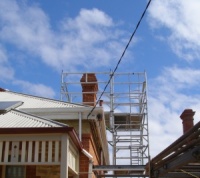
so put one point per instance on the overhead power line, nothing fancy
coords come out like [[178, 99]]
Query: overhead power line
[[120, 59]]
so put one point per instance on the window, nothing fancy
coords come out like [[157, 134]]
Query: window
[[15, 172]]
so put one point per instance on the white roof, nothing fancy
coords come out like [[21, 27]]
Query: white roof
[[30, 101], [18, 119]]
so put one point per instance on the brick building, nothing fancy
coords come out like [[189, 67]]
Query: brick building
[[182, 157], [41, 137]]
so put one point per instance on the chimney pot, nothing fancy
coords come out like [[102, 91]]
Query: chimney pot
[[101, 103], [187, 118], [1, 89]]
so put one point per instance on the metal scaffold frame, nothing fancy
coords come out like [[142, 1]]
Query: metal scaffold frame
[[126, 113]]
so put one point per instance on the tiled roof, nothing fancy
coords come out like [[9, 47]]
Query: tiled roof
[[18, 119], [30, 101]]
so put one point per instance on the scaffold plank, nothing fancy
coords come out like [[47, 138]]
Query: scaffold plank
[[119, 168]]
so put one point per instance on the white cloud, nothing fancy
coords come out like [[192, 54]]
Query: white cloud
[[87, 40], [3, 56], [6, 71], [89, 25], [22, 25], [169, 94], [181, 78], [177, 88], [181, 18], [7, 74], [35, 89]]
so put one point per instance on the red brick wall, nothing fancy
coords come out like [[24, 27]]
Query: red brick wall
[[1, 167], [31, 172], [48, 171], [88, 145], [42, 171], [187, 117], [89, 84]]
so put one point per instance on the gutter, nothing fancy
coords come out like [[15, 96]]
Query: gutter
[[104, 148], [101, 125]]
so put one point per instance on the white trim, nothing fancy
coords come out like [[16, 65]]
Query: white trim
[[90, 157], [64, 156], [50, 151], [80, 126], [56, 151], [1, 148], [30, 145], [65, 113], [43, 151], [73, 157], [31, 137], [36, 151], [23, 153], [6, 152], [15, 152]]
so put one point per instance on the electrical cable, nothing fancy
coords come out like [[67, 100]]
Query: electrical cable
[[120, 59]]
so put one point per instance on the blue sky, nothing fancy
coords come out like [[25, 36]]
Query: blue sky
[[40, 38]]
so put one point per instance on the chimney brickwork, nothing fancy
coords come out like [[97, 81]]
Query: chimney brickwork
[[89, 88], [187, 118], [1, 89]]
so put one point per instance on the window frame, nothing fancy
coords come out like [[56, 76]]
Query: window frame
[[20, 168]]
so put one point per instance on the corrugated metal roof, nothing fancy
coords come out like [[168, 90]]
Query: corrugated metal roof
[[33, 101], [18, 119]]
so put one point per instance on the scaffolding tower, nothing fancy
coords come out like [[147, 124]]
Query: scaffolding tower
[[126, 115]]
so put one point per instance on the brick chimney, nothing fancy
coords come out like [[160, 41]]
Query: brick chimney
[[89, 88], [1, 89], [101, 103], [187, 118]]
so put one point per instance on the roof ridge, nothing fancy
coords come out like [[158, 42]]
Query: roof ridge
[[42, 98]]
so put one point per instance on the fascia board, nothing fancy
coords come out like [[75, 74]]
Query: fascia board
[[65, 113]]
